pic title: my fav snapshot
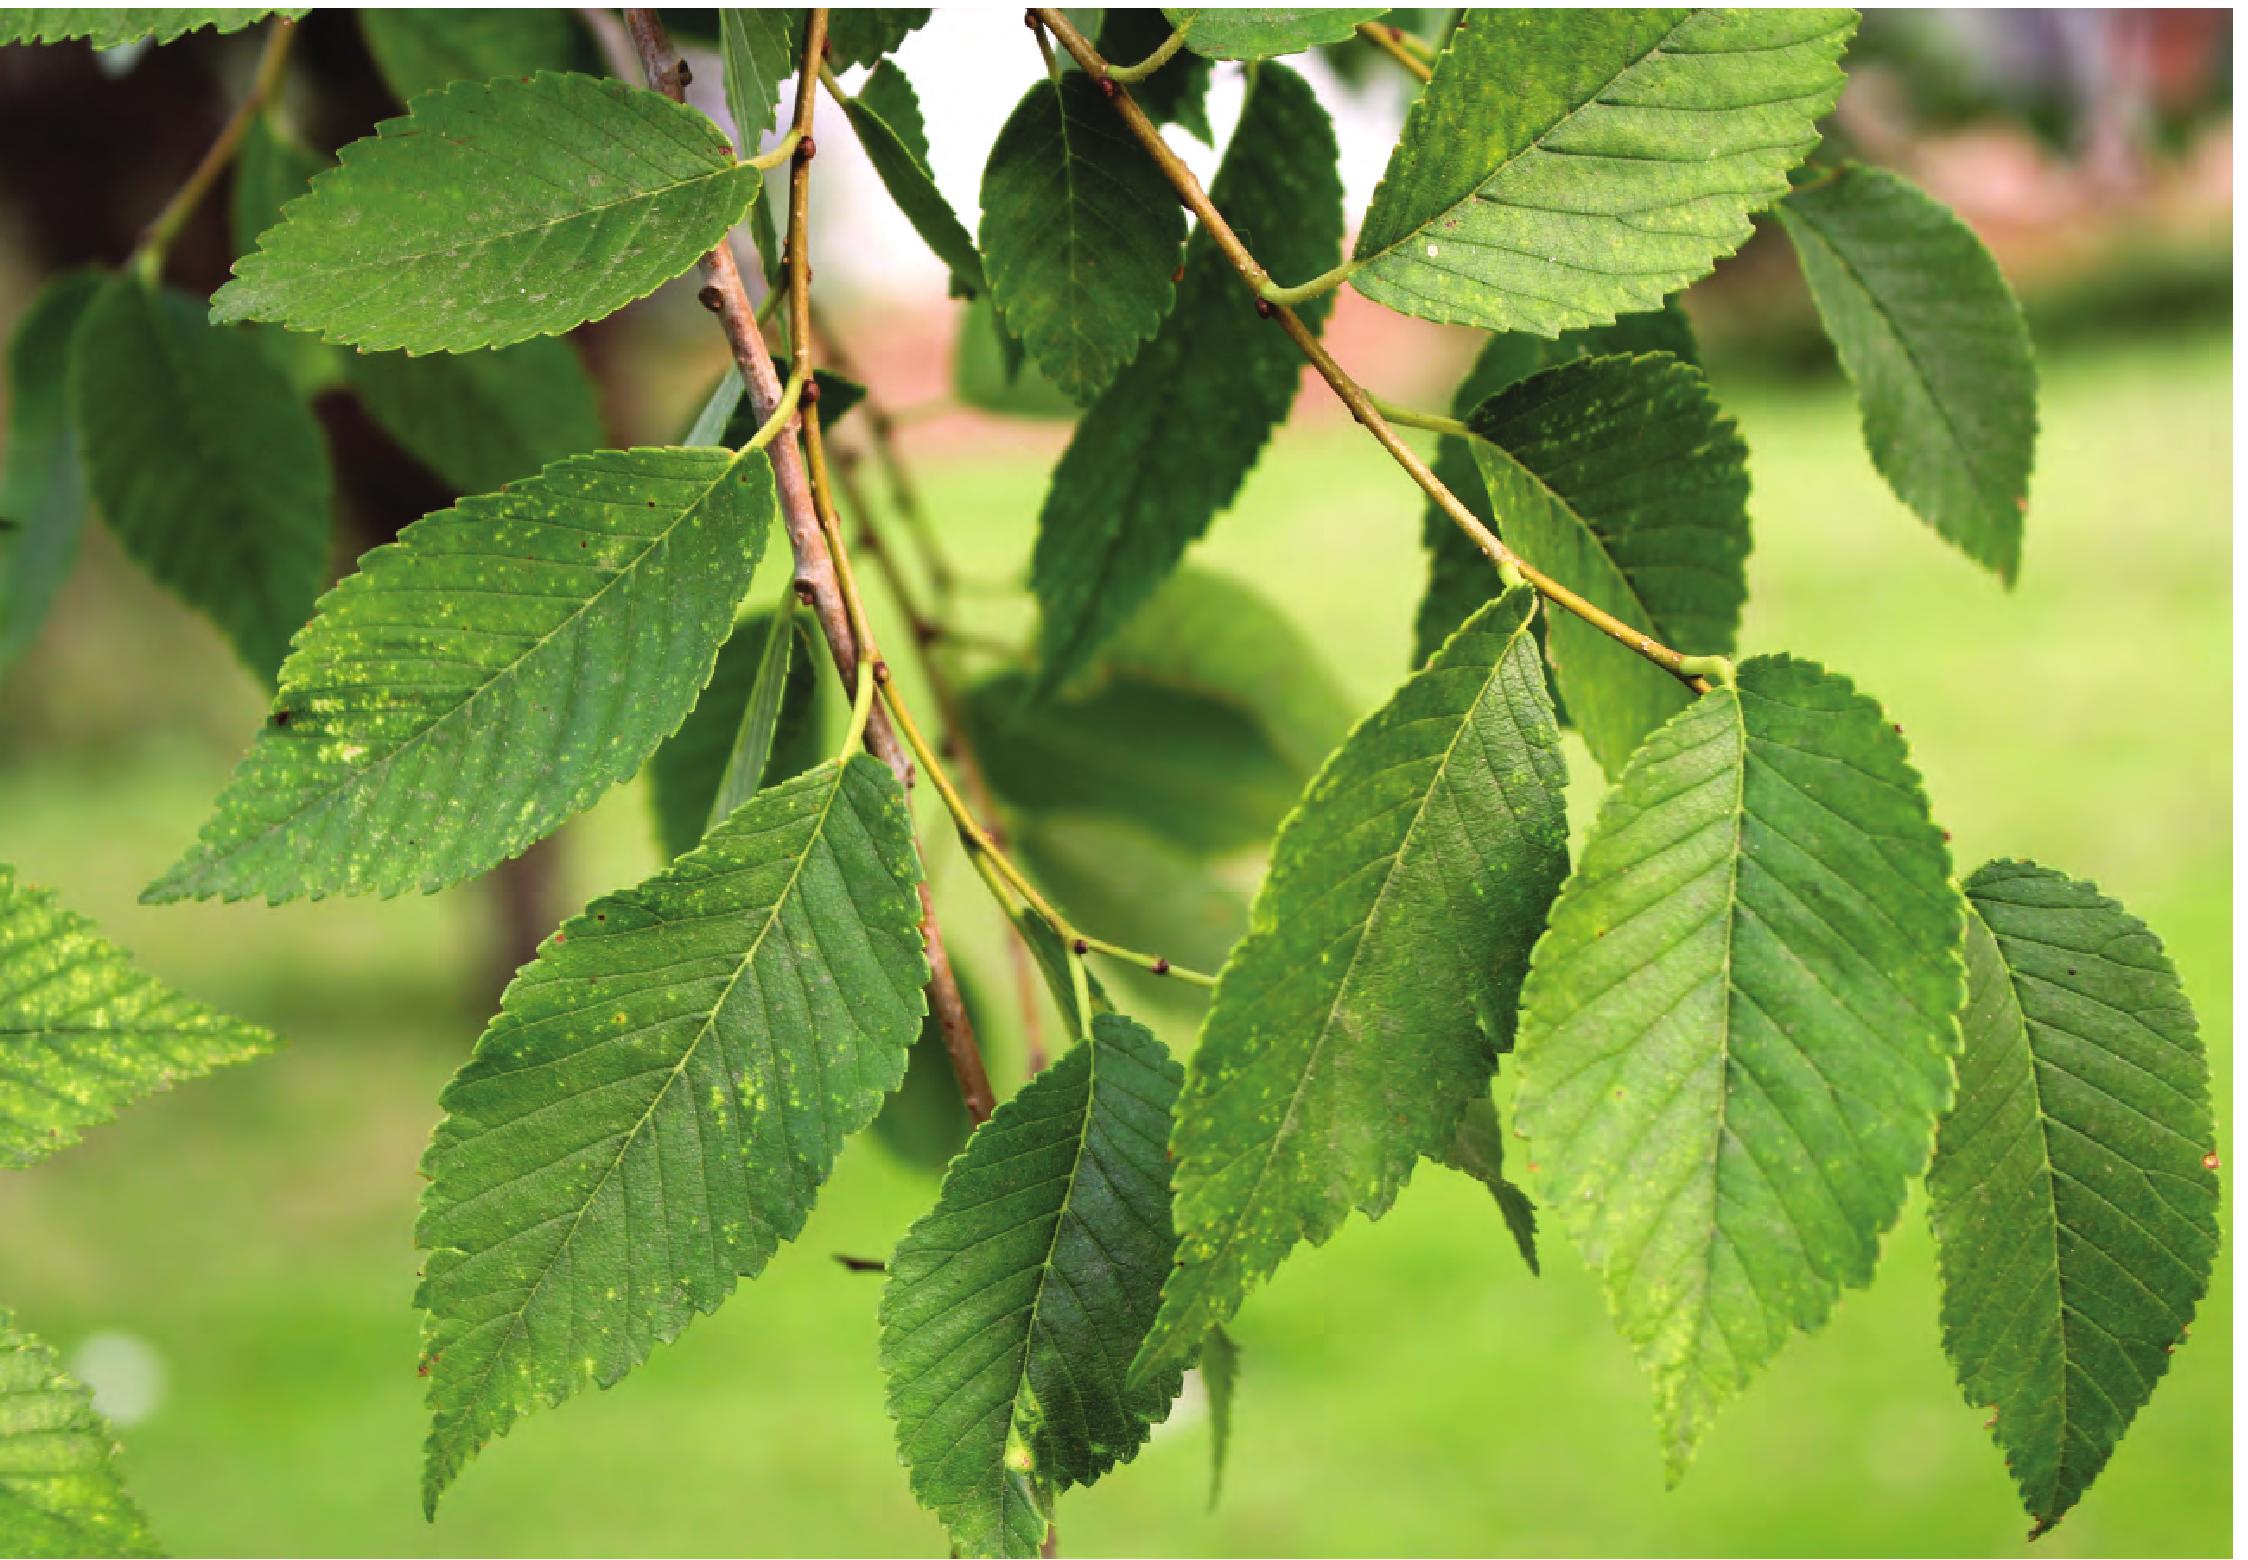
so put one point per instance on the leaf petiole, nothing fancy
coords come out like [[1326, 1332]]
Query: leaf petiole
[[1318, 287], [1126, 75]]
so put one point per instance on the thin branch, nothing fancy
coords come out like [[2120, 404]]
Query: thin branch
[[1353, 395], [263, 83], [1434, 422], [904, 494], [973, 779], [1391, 41], [816, 581], [1127, 75]]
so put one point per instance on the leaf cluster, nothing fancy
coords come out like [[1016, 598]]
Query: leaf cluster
[[1736, 1026]]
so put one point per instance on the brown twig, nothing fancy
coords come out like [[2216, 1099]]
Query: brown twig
[[1352, 394], [817, 583]]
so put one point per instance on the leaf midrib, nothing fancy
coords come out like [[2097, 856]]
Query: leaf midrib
[[390, 260], [686, 1055], [2046, 1178], [1683, 1442], [1046, 1264]]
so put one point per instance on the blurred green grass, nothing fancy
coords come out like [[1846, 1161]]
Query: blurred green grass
[[1407, 1388]]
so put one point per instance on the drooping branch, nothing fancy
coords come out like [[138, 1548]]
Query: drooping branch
[[1352, 394], [816, 581]]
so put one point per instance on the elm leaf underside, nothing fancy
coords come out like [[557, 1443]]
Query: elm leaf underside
[[491, 672], [1620, 478], [1930, 334], [1364, 1011], [1738, 1033], [2072, 1191], [1080, 234], [42, 485], [494, 212], [1460, 577], [1167, 446], [205, 462], [83, 1033], [1014, 1305], [1567, 166], [664, 1091], [60, 1489]]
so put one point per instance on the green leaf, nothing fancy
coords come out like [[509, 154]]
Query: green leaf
[[60, 1489], [494, 212], [109, 29], [1013, 1306], [1208, 634], [1080, 234], [480, 420], [1737, 1035], [1178, 91], [205, 461], [42, 488], [685, 775], [860, 35], [2073, 1191], [1565, 167], [1620, 478], [1364, 1011], [660, 1098], [1930, 334], [1479, 1150], [1259, 32], [83, 1034], [1460, 578], [1197, 770], [886, 117], [760, 55], [1221, 1377], [988, 371], [1167, 447], [420, 51], [485, 676], [888, 93]]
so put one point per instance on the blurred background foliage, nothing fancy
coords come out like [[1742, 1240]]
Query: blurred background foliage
[[232, 1265]]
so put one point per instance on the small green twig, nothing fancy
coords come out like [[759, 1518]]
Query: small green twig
[[1126, 75], [1154, 966], [791, 393], [1392, 42], [1318, 287], [1351, 393], [263, 83], [781, 152], [1434, 422]]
